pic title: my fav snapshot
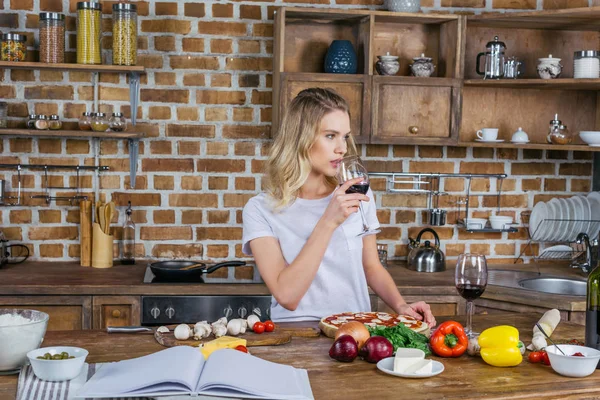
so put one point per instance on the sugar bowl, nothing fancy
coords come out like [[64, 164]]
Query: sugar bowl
[[422, 66], [387, 64], [549, 67]]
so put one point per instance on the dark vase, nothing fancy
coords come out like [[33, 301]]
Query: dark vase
[[340, 58]]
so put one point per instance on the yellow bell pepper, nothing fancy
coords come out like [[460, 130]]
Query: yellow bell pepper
[[500, 346]]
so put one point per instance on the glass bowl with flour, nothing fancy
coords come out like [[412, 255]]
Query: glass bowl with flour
[[20, 332]]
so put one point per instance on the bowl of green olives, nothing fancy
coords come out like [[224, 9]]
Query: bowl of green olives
[[58, 363]]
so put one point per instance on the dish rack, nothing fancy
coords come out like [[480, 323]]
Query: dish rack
[[429, 183], [571, 251]]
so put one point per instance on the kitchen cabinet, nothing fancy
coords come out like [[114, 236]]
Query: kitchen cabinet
[[442, 305], [399, 109], [66, 312], [115, 311]]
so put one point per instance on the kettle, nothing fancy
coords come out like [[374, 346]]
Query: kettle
[[426, 258], [494, 60], [4, 254]]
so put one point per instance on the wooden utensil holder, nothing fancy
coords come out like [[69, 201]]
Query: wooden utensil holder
[[102, 248]]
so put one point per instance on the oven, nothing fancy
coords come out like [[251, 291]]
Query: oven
[[175, 309]]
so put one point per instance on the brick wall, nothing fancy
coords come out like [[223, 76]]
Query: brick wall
[[205, 105]]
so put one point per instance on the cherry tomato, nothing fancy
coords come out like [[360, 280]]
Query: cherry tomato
[[578, 354], [258, 327], [545, 358], [535, 357], [242, 348], [269, 326]]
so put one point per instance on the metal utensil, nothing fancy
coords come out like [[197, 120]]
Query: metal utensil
[[548, 337], [127, 329]]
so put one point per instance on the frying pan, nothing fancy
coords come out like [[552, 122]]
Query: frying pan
[[173, 269]]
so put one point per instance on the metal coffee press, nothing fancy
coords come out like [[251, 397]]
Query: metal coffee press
[[494, 60]]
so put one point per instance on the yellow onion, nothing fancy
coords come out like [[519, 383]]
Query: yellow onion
[[357, 330]]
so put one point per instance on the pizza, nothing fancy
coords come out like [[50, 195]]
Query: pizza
[[330, 324]]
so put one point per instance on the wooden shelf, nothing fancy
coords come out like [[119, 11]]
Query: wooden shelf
[[72, 67], [531, 146], [71, 134], [556, 84], [574, 19]]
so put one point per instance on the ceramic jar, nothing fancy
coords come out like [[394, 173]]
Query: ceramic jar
[[340, 58], [549, 67], [387, 65], [422, 66], [520, 136], [403, 5]]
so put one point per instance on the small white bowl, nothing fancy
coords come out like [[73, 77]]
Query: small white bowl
[[573, 366], [592, 138], [475, 223], [500, 221], [57, 370]]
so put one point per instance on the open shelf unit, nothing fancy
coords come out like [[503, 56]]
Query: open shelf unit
[[448, 108], [71, 134], [138, 69]]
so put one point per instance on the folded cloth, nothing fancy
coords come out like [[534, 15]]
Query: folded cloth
[[30, 387]]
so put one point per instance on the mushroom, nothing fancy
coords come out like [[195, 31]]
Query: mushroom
[[252, 319], [219, 330], [202, 330], [162, 329], [236, 326], [182, 332]]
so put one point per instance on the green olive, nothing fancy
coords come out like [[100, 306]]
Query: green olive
[[48, 356], [57, 357]]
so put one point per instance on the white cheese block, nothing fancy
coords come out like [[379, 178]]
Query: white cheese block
[[405, 361], [421, 367]]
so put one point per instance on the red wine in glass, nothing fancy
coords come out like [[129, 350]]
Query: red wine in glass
[[361, 188], [470, 292]]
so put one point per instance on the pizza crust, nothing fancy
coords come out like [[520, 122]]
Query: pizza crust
[[330, 330]]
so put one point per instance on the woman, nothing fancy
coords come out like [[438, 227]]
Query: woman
[[302, 231]]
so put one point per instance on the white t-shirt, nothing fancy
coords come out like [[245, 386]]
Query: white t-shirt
[[340, 284]]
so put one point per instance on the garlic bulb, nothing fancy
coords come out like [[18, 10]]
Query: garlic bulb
[[182, 332], [202, 330]]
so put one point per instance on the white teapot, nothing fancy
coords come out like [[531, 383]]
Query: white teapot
[[520, 136]]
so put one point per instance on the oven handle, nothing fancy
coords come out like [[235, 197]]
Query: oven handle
[[128, 329]]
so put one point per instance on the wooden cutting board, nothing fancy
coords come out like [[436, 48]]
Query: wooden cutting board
[[300, 329], [274, 338]]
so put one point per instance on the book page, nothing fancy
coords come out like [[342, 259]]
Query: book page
[[229, 372], [172, 370]]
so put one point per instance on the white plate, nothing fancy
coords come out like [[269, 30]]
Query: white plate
[[587, 213], [387, 365], [553, 231], [490, 141], [559, 226], [538, 214], [571, 215]]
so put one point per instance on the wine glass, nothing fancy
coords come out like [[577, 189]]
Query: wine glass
[[351, 167], [471, 280]]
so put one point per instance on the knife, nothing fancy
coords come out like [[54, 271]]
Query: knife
[[128, 329]]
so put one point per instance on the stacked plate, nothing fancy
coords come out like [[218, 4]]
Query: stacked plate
[[561, 220]]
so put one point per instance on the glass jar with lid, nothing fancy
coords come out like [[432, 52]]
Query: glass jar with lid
[[54, 123], [41, 122], [117, 122], [13, 47], [558, 133], [85, 121], [586, 64], [31, 121], [89, 21], [124, 34], [99, 122], [52, 37]]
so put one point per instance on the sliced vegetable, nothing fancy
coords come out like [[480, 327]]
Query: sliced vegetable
[[402, 336], [449, 340], [500, 346]]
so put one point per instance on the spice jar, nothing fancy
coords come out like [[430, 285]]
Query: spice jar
[[586, 64], [85, 121], [13, 47], [3, 114], [41, 122], [99, 122], [558, 133], [117, 122], [31, 121], [52, 37], [124, 34], [55, 123], [89, 19], [422, 66]]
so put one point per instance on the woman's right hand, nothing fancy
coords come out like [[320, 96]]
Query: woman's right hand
[[343, 205]]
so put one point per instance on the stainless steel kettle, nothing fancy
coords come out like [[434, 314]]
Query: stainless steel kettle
[[426, 258], [4, 253]]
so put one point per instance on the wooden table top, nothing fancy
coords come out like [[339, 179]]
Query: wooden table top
[[463, 378]]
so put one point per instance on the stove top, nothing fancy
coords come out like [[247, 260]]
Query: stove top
[[149, 277]]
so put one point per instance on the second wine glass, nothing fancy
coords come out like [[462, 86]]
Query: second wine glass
[[471, 281], [351, 167]]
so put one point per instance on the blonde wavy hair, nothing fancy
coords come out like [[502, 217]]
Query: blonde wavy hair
[[289, 161]]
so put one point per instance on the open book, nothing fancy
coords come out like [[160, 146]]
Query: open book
[[182, 370]]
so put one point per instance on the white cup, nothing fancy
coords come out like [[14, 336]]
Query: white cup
[[488, 134], [500, 222]]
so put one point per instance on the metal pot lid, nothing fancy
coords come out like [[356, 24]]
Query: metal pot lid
[[587, 53], [495, 43]]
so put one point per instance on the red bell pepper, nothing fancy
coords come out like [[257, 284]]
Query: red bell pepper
[[449, 340]]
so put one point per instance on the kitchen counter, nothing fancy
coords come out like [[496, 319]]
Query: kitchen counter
[[68, 278], [464, 377]]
